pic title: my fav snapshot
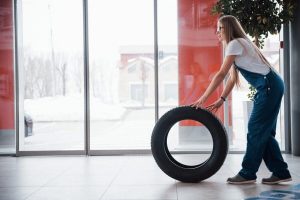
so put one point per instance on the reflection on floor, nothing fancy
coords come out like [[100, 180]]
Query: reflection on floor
[[127, 178], [290, 193]]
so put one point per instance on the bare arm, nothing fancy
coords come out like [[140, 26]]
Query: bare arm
[[229, 85], [219, 102], [217, 80]]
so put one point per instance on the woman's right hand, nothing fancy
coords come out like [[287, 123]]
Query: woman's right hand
[[215, 106]]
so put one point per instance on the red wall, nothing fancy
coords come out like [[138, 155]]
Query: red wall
[[6, 66], [200, 52]]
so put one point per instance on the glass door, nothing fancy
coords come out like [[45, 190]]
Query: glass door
[[121, 74], [50, 75]]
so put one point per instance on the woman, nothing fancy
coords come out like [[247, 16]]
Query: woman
[[241, 55]]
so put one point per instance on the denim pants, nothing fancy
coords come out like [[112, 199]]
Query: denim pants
[[261, 142]]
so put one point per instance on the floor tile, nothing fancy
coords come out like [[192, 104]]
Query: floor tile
[[149, 192], [16, 193], [68, 193], [136, 177]]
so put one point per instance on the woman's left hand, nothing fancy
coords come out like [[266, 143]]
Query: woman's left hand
[[215, 106], [199, 103]]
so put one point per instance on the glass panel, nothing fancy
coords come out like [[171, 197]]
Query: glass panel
[[7, 130], [197, 136], [168, 55], [121, 74], [200, 136], [51, 74], [189, 56]]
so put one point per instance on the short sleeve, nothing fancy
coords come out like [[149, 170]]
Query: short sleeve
[[234, 47]]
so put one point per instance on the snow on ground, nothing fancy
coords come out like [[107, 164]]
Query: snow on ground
[[70, 108]]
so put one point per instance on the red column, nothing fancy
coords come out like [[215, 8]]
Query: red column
[[6, 66], [200, 52]]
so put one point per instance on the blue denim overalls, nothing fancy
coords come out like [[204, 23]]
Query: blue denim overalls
[[261, 143]]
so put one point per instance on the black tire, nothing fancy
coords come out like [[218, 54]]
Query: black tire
[[172, 167]]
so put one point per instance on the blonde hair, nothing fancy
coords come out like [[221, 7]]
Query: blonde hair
[[233, 30]]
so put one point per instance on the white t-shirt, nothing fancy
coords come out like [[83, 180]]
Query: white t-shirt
[[246, 56]]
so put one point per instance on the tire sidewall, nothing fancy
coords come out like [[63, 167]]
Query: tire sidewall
[[178, 170]]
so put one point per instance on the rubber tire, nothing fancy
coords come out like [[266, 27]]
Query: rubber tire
[[177, 170]]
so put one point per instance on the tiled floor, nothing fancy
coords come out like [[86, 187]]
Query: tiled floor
[[126, 178]]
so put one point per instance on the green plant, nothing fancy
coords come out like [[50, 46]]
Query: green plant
[[258, 18], [252, 92]]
